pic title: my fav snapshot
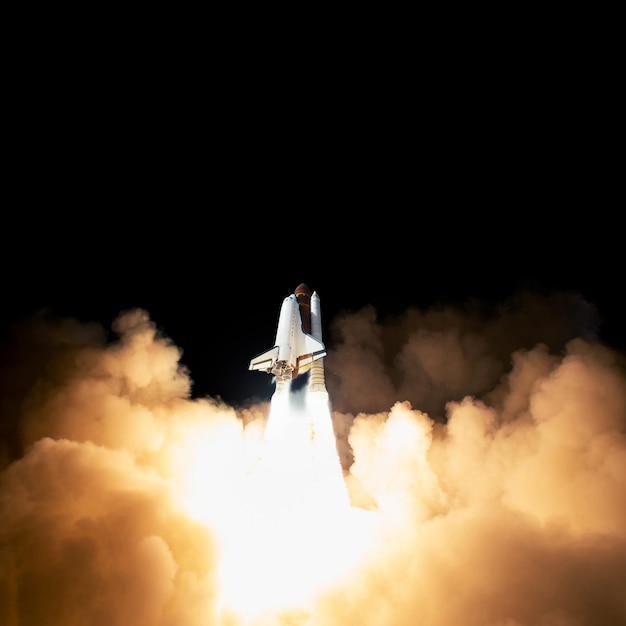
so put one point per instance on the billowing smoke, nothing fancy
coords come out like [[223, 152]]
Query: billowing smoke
[[488, 455], [434, 356]]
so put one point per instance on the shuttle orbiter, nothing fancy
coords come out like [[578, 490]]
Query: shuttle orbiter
[[298, 337]]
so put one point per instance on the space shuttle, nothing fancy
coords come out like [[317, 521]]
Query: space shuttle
[[298, 346]]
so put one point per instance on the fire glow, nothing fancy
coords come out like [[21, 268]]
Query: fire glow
[[286, 526], [293, 534]]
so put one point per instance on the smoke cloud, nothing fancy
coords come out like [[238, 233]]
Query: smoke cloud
[[487, 454]]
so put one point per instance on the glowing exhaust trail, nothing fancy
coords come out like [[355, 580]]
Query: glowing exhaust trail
[[289, 543], [301, 446]]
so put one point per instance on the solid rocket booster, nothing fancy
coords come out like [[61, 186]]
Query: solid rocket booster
[[298, 342], [316, 377]]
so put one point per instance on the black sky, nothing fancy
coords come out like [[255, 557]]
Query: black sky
[[212, 277], [130, 197]]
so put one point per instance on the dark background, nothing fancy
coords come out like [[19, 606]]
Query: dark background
[[212, 277], [207, 200]]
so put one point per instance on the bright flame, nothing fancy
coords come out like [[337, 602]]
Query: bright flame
[[279, 506]]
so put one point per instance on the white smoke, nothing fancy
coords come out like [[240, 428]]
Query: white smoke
[[490, 454]]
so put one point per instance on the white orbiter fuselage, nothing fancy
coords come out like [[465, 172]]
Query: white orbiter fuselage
[[298, 337]]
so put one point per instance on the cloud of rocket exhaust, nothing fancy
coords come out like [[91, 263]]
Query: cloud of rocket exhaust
[[488, 456]]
